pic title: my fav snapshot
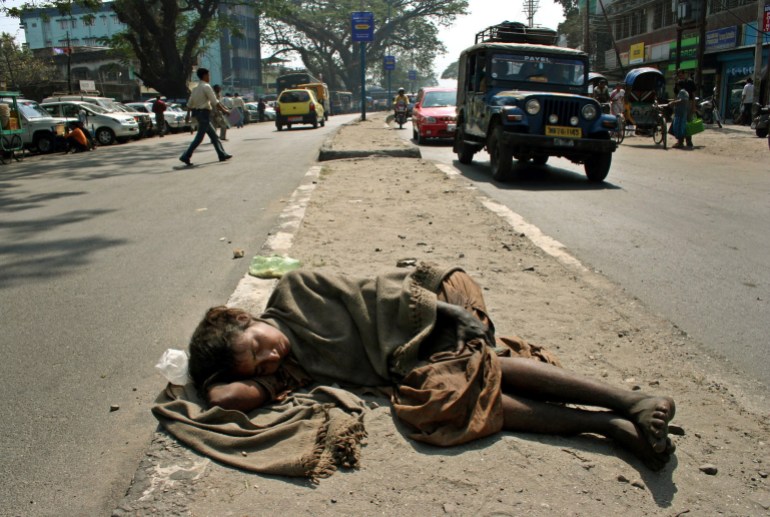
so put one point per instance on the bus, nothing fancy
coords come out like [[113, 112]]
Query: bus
[[342, 102], [293, 80]]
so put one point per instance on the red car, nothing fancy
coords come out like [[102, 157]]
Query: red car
[[433, 115]]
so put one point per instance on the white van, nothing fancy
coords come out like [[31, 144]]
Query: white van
[[38, 126]]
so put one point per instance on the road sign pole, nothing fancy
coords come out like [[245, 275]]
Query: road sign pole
[[363, 80]]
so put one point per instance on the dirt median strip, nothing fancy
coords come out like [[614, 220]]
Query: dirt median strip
[[365, 215]]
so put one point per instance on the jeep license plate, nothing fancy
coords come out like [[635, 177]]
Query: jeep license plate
[[295, 119], [564, 142], [451, 127], [564, 131]]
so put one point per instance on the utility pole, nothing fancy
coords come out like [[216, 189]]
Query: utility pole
[[701, 45], [530, 8], [390, 88], [586, 34], [69, 64], [758, 50]]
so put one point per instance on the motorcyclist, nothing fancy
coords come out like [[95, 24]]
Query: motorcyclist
[[401, 99]]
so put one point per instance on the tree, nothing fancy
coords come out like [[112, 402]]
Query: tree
[[20, 69], [452, 71], [166, 37], [319, 33]]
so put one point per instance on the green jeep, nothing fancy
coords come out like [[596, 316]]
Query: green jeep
[[521, 97]]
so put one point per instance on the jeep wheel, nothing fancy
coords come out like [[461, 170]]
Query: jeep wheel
[[500, 156], [597, 167], [464, 151], [540, 160], [44, 143]]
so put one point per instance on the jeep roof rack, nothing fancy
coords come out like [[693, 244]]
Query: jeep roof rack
[[516, 32]]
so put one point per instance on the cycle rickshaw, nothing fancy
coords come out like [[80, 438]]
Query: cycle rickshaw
[[644, 86]]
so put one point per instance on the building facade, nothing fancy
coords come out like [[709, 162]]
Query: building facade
[[646, 33], [234, 61]]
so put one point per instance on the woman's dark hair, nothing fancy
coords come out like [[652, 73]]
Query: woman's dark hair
[[211, 357]]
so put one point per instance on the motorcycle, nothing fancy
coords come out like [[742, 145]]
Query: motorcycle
[[708, 111], [400, 115], [761, 122]]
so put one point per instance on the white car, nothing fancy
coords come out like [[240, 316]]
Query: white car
[[111, 105], [38, 126], [174, 119], [107, 127]]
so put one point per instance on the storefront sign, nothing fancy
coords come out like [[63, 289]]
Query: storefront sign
[[720, 39], [766, 24], [636, 54]]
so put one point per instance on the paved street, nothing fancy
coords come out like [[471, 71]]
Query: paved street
[[107, 259], [684, 231]]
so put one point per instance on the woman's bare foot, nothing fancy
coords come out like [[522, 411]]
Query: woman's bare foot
[[652, 415], [630, 437]]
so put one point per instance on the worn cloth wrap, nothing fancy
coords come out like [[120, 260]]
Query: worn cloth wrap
[[381, 331]]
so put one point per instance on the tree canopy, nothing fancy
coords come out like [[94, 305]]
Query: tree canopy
[[20, 69], [319, 33], [167, 36]]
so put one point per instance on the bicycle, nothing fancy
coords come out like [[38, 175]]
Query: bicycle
[[619, 133], [11, 148]]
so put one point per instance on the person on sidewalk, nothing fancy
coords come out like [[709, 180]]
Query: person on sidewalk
[[681, 111], [202, 101], [239, 105], [159, 108], [426, 333], [688, 83], [747, 99]]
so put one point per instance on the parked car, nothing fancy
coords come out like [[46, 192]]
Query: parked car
[[298, 107], [107, 127], [174, 119], [433, 115], [143, 120], [252, 112], [38, 126]]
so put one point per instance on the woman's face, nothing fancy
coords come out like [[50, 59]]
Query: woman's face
[[259, 350]]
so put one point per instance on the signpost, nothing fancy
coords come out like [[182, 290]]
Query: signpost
[[362, 27], [389, 64]]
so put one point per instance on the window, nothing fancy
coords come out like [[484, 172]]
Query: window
[[63, 25], [73, 23], [88, 22]]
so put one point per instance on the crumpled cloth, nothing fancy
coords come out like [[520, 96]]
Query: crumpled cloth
[[308, 435]]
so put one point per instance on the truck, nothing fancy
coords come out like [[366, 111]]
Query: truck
[[38, 128], [522, 97]]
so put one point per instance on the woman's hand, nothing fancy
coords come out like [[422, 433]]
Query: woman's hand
[[469, 327]]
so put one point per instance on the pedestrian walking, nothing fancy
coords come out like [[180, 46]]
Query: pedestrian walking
[[218, 119], [261, 109], [159, 108], [239, 105], [747, 99], [202, 101], [681, 109]]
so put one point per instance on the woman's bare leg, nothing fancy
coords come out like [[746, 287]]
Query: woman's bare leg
[[540, 381], [526, 415]]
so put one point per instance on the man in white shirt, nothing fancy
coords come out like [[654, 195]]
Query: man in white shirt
[[202, 101], [747, 99]]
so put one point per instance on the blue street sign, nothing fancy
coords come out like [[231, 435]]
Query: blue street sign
[[412, 75], [362, 25], [389, 62]]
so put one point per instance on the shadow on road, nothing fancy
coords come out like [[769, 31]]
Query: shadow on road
[[528, 176]]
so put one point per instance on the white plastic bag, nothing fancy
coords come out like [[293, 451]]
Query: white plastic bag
[[173, 366]]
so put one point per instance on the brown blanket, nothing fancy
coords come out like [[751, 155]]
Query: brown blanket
[[307, 435]]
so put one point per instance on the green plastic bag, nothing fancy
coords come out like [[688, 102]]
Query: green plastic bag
[[272, 267]]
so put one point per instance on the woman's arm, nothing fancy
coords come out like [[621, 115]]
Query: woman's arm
[[240, 395]]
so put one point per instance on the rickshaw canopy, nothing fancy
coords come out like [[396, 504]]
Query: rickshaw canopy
[[645, 79]]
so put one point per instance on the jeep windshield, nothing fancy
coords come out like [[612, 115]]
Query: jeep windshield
[[538, 69]]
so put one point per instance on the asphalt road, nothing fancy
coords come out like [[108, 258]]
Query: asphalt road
[[107, 259], [683, 231]]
